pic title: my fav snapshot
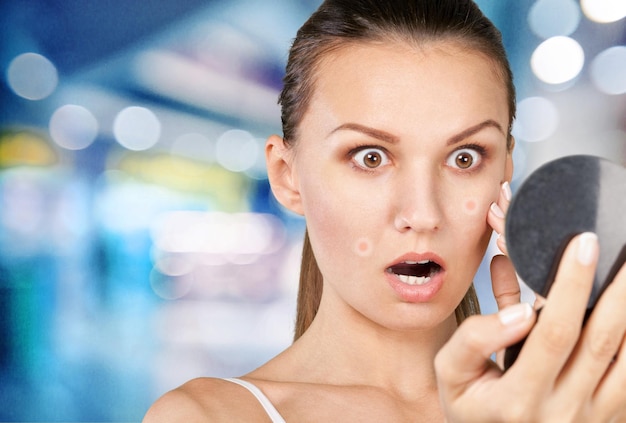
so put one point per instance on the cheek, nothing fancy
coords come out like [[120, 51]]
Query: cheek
[[470, 218], [470, 207], [472, 232], [363, 247], [340, 219], [473, 201]]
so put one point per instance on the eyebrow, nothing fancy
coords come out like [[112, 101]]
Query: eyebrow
[[392, 139], [489, 123], [371, 132]]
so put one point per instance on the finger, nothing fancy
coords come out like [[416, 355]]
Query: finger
[[505, 196], [609, 401], [503, 202], [551, 342], [504, 284], [600, 362], [506, 289], [501, 243], [601, 339], [466, 356], [495, 218], [539, 302], [498, 209]]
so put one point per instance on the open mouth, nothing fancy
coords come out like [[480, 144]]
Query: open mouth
[[415, 272]]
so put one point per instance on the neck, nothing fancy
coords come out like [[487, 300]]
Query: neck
[[344, 347]]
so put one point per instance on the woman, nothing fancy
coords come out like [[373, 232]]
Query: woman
[[397, 150]]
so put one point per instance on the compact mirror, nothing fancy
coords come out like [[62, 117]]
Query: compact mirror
[[559, 200]]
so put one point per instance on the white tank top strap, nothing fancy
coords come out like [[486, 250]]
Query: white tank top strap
[[260, 396]]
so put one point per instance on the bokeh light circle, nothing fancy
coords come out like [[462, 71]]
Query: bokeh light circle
[[137, 128], [557, 60], [194, 145], [170, 287], [604, 11], [537, 119], [608, 70], [73, 127], [259, 169], [236, 150], [32, 76], [550, 18]]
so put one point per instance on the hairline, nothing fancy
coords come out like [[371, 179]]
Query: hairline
[[458, 41]]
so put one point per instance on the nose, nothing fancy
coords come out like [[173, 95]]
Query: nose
[[418, 203]]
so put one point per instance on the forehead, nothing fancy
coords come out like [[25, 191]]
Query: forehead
[[363, 58], [394, 82]]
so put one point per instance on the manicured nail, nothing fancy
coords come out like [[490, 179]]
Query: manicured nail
[[515, 314], [587, 248], [506, 190], [497, 210]]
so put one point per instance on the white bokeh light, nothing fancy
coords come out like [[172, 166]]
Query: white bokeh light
[[604, 11], [73, 127], [259, 169], [537, 119], [137, 128], [32, 76], [237, 150], [549, 18], [217, 233], [170, 287], [557, 60], [195, 146], [608, 70], [124, 206]]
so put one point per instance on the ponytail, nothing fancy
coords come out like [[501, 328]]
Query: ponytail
[[309, 291]]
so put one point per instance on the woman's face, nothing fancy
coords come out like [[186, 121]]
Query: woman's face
[[399, 156]]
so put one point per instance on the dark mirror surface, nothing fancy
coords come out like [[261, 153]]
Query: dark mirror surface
[[561, 199]]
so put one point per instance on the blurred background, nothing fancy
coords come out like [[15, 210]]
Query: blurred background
[[139, 243]]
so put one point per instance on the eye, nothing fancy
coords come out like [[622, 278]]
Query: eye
[[464, 158], [370, 158]]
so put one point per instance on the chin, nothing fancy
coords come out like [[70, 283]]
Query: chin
[[427, 317]]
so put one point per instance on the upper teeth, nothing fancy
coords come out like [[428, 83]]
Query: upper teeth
[[417, 262], [414, 280]]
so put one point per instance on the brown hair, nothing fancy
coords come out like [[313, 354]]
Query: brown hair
[[338, 22]]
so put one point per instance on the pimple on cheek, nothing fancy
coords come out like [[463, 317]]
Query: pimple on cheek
[[471, 206], [363, 247]]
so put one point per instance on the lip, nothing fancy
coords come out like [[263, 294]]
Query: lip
[[417, 293]]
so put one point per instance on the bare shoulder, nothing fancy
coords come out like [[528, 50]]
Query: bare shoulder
[[199, 400]]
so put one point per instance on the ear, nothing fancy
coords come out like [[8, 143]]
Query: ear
[[281, 175], [508, 167]]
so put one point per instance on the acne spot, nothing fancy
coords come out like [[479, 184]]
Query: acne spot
[[363, 247], [470, 206]]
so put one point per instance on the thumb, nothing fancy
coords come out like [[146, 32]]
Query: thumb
[[466, 357], [505, 286]]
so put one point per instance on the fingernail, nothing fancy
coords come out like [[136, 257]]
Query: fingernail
[[587, 248], [515, 314], [506, 190], [497, 210]]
